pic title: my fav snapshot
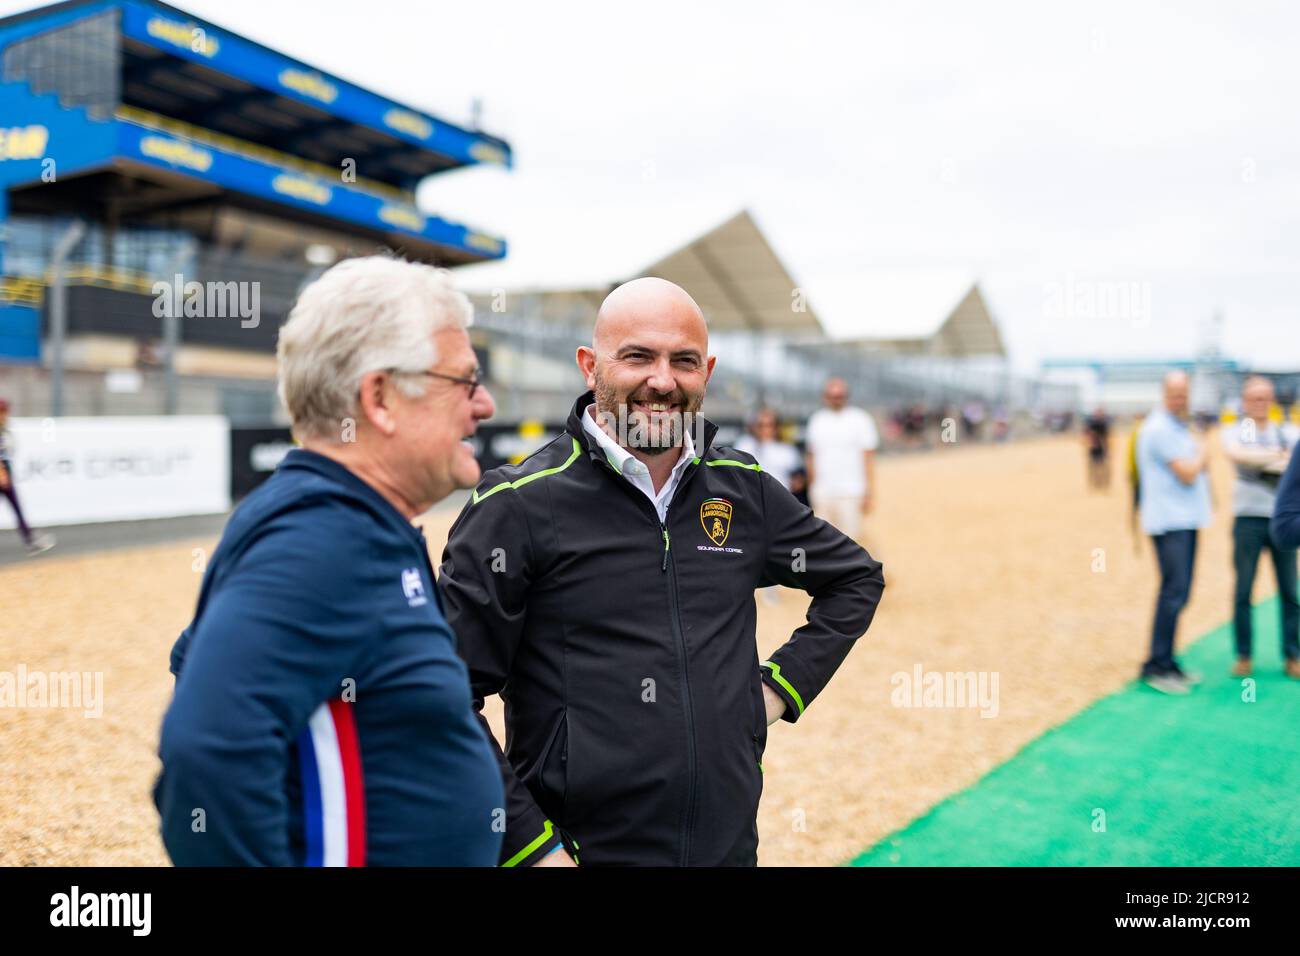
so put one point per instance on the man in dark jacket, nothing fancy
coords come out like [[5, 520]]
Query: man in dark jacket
[[605, 588]]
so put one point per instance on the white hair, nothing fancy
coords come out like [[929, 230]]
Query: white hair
[[362, 315]]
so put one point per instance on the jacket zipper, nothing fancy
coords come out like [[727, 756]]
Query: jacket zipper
[[675, 623]]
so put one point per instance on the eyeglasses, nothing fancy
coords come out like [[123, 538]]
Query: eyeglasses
[[473, 383]]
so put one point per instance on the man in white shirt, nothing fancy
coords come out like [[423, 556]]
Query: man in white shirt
[[842, 443], [1260, 450]]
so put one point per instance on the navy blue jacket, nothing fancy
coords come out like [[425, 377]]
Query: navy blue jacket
[[1285, 526], [322, 715]]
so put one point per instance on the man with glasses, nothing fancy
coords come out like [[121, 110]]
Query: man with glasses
[[322, 715], [1260, 449]]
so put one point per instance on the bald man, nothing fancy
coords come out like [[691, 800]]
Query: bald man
[[1175, 504], [842, 443], [604, 588]]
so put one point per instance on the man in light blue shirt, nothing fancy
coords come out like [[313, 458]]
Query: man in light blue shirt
[[1175, 497]]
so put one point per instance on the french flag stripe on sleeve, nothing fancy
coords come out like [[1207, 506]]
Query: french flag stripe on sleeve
[[334, 809]]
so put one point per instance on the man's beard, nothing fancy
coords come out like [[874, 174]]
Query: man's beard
[[631, 429]]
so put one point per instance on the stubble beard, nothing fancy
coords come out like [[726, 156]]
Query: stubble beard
[[632, 432]]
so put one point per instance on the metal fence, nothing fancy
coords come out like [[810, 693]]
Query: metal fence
[[753, 369]]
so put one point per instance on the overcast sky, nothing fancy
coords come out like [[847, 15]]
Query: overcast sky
[[1147, 155]]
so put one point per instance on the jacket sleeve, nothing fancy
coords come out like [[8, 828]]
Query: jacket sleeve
[[1285, 526], [484, 580], [845, 582], [275, 640]]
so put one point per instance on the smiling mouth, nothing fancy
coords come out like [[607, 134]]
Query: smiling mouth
[[656, 408]]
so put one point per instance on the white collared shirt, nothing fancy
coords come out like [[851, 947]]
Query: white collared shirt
[[627, 465]]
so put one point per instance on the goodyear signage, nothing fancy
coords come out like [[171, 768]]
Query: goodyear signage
[[258, 177], [402, 216], [404, 121], [23, 142], [309, 84], [489, 153], [300, 187], [21, 290], [176, 152], [189, 36], [269, 70], [482, 243]]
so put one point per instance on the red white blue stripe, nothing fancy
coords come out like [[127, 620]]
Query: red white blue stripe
[[333, 790]]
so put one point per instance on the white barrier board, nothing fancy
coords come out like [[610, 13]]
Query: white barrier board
[[76, 470]]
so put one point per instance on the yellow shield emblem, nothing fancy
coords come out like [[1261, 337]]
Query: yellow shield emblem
[[715, 516]]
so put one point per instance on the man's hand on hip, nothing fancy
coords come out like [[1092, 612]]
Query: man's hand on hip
[[774, 704], [557, 857]]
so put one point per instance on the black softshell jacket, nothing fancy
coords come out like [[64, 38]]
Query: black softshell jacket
[[624, 648]]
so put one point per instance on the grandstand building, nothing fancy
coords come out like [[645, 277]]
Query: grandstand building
[[139, 145], [896, 338]]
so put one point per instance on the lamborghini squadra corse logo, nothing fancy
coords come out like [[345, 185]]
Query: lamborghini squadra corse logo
[[715, 516]]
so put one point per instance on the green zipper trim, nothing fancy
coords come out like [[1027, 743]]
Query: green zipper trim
[[731, 463], [523, 854], [776, 676], [520, 482]]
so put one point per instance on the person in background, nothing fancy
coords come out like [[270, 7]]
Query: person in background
[[914, 425], [1260, 450], [972, 417], [1134, 481], [35, 543], [1001, 424], [1096, 439], [841, 458], [779, 459], [799, 485], [1175, 505]]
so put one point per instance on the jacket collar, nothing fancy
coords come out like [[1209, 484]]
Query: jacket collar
[[305, 460], [575, 428]]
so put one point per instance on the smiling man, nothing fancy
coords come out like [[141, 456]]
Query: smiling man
[[322, 716], [604, 588]]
